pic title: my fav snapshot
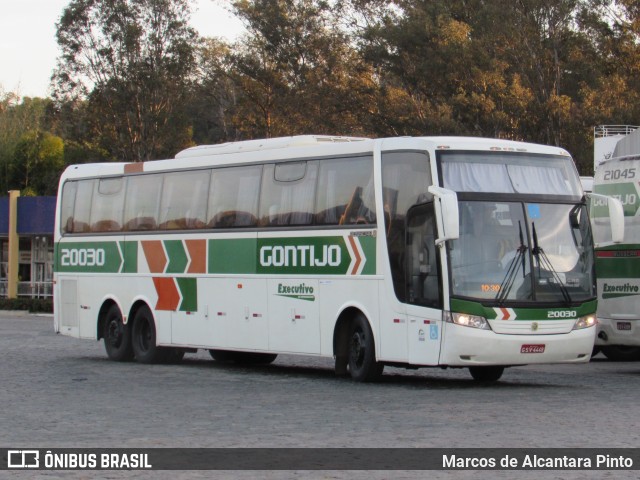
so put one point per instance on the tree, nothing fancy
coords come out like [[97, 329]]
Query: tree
[[525, 69], [213, 96], [18, 116], [132, 60], [295, 71], [37, 164], [433, 76]]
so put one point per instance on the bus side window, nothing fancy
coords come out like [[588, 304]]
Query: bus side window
[[107, 205], [67, 205], [184, 200], [345, 192], [233, 197], [143, 198], [288, 194], [82, 208]]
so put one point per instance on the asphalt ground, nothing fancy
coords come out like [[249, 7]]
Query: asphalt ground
[[63, 392]]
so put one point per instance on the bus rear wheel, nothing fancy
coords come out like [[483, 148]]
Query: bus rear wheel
[[117, 336], [143, 336], [363, 366], [486, 374]]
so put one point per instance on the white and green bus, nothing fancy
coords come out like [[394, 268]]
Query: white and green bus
[[443, 251], [618, 266]]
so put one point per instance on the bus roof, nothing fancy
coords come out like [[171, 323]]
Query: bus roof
[[624, 158], [264, 144], [302, 146]]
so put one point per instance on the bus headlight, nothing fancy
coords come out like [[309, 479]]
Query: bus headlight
[[585, 322], [466, 320]]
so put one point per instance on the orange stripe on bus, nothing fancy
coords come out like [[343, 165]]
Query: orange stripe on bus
[[198, 253], [168, 295], [352, 241], [154, 253]]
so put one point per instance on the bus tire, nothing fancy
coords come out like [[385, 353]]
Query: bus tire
[[486, 374], [621, 353], [143, 338], [117, 336], [363, 366]]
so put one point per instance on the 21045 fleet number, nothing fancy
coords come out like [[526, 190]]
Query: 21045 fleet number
[[627, 173]]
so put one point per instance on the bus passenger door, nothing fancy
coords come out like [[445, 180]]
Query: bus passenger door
[[424, 295]]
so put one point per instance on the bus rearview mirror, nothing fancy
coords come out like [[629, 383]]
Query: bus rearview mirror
[[616, 215], [449, 228]]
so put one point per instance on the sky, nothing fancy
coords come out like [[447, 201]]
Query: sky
[[28, 48]]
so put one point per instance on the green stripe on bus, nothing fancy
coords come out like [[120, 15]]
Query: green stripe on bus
[[130, 254], [95, 257], [178, 259], [303, 256], [189, 291], [369, 248], [625, 192], [619, 246], [538, 314], [326, 255], [232, 256], [618, 267]]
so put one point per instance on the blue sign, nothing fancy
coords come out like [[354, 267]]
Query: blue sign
[[433, 332], [534, 211]]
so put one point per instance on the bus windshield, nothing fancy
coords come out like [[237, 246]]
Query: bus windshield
[[522, 252], [510, 172]]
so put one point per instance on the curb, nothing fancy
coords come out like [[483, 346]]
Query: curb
[[15, 313]]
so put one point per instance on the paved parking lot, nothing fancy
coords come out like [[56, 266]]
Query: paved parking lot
[[62, 392]]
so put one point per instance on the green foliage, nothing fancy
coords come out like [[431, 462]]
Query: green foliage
[[131, 60], [295, 71], [17, 117], [32, 305], [134, 82], [38, 161]]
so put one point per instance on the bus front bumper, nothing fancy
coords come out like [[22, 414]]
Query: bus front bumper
[[618, 332], [469, 347]]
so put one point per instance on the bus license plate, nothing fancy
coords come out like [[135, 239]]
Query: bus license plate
[[623, 325], [532, 348]]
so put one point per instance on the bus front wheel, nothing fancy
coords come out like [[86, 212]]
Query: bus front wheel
[[117, 336], [363, 366], [486, 374]]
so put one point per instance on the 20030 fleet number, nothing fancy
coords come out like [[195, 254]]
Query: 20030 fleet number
[[82, 257]]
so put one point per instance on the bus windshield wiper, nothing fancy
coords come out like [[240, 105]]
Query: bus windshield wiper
[[512, 271], [544, 262]]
